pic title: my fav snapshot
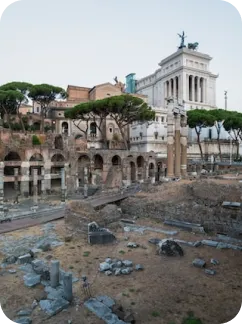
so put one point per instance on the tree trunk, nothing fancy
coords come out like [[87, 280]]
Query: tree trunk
[[199, 143], [21, 121], [237, 149], [219, 148], [124, 138]]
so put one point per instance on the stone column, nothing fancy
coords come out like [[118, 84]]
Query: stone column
[[35, 186], [24, 185], [180, 94], [184, 135], [1, 190], [187, 90], [198, 89], [54, 273], [175, 81], [16, 172], [170, 139], [67, 285], [177, 145], [202, 89], [169, 88], [47, 176], [192, 88], [205, 98], [63, 185], [85, 182], [43, 180]]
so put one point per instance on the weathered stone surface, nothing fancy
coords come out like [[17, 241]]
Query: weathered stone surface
[[10, 259], [52, 307], [25, 312], [132, 245], [40, 295], [127, 263], [210, 272], [154, 241], [31, 280], [102, 311], [210, 243], [118, 272], [214, 261], [12, 271], [44, 247], [24, 259], [23, 320], [222, 245], [119, 264], [104, 266], [126, 271], [139, 267], [199, 263], [54, 293], [106, 300], [108, 260], [197, 243], [35, 252], [108, 273]]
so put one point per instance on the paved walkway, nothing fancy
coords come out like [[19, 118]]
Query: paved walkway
[[30, 221]]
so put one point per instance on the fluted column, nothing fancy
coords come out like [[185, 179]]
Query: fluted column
[[177, 146], [184, 135], [169, 88], [175, 87], [192, 88], [170, 140], [187, 91]]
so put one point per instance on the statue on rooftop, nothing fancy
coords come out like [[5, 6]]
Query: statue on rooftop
[[182, 36]]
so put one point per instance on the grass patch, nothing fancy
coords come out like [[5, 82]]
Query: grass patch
[[71, 267], [86, 253], [125, 295], [122, 252], [191, 319], [155, 314]]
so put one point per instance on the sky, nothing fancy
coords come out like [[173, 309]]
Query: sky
[[85, 43]]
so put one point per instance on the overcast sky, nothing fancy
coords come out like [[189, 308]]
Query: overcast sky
[[89, 42]]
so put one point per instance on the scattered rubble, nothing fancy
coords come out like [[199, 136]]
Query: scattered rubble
[[199, 263], [214, 261], [118, 267], [132, 245], [210, 272], [104, 308], [169, 247], [98, 235]]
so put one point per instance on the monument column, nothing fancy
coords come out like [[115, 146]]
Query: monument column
[[199, 89], [24, 185], [187, 90], [1, 189], [85, 182], [177, 145], [175, 87], [170, 139], [47, 176], [170, 88], [42, 180], [16, 172], [35, 186], [192, 88], [184, 135], [63, 185]]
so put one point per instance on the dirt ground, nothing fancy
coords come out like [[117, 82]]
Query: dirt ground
[[163, 292]]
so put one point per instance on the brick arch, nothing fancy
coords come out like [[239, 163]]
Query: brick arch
[[58, 152], [116, 160], [36, 157], [58, 158], [12, 156]]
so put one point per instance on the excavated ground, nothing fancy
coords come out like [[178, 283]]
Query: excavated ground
[[168, 287]]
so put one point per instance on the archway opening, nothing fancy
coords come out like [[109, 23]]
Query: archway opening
[[36, 126], [82, 163], [59, 145], [132, 172], [116, 160], [140, 161], [65, 128], [151, 170], [12, 185], [93, 129]]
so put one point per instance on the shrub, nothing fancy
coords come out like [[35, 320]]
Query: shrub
[[35, 140]]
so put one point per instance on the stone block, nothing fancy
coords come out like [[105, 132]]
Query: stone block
[[23, 320], [210, 243], [199, 263], [25, 312], [132, 245], [210, 272], [35, 252], [119, 264], [108, 273], [106, 300], [53, 307], [31, 280], [108, 260], [103, 237], [126, 271], [139, 267], [118, 272], [214, 261], [127, 263], [24, 259], [104, 266]]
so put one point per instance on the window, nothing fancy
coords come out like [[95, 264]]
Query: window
[[156, 119], [110, 130], [162, 138], [162, 119], [141, 135], [156, 135], [37, 109], [210, 134]]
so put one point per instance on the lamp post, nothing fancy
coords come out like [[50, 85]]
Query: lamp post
[[225, 99]]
